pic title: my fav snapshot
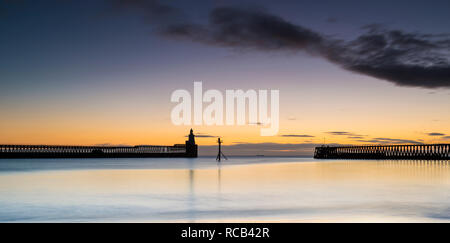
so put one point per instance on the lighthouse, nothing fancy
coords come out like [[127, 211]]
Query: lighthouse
[[191, 147]]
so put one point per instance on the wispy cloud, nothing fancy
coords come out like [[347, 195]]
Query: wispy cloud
[[390, 141], [296, 136], [340, 133], [257, 123], [203, 135], [349, 134], [435, 134]]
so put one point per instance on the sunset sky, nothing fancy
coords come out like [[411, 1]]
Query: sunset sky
[[102, 72]]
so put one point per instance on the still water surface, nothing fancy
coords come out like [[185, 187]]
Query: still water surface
[[243, 189]]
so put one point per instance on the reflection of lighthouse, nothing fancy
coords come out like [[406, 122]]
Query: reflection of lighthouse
[[191, 147]]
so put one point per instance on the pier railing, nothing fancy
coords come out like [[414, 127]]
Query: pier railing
[[416, 151], [187, 150], [90, 149]]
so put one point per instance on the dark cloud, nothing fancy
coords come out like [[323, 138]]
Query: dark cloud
[[405, 59], [446, 137], [297, 136], [435, 134], [246, 28], [390, 141], [355, 137]]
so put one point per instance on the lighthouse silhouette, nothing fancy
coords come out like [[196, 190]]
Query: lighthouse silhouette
[[191, 147]]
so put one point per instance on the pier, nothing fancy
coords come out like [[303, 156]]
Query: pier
[[417, 151], [187, 150]]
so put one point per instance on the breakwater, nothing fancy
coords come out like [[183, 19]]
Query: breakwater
[[187, 150], [416, 151]]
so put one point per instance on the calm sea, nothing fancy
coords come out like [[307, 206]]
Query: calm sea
[[259, 189]]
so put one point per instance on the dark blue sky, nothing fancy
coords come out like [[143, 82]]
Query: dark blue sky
[[69, 38]]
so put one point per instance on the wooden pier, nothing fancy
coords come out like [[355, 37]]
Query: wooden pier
[[417, 151], [187, 150]]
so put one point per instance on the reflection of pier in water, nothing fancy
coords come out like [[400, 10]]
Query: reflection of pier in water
[[418, 152], [192, 213], [432, 170]]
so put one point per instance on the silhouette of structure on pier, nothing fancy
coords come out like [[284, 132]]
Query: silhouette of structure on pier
[[187, 150], [420, 151], [220, 154]]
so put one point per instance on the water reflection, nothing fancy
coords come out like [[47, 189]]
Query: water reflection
[[191, 200], [202, 190], [219, 177], [192, 197]]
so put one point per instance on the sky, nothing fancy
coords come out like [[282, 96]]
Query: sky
[[102, 72]]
